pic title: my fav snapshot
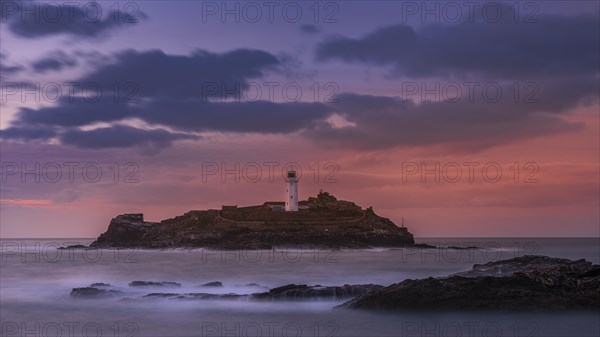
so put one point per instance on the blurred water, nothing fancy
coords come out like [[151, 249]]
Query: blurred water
[[36, 279]]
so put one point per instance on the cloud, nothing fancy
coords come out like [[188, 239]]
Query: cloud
[[171, 95], [7, 70], [250, 117], [26, 202], [310, 29], [185, 93], [201, 74], [175, 94], [32, 19], [67, 195], [119, 136], [553, 46], [28, 132], [385, 122], [54, 61], [557, 56], [181, 114]]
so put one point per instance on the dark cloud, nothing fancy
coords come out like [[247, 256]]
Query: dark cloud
[[310, 29], [122, 137], [28, 133], [7, 70], [169, 91], [184, 93], [383, 122], [554, 62], [552, 46], [10, 70], [54, 61], [250, 117], [33, 19], [75, 111], [201, 74], [182, 114], [173, 91]]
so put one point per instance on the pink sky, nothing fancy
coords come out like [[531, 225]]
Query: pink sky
[[564, 201]]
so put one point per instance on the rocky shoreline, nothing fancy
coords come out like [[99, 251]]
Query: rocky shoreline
[[288, 292], [523, 283]]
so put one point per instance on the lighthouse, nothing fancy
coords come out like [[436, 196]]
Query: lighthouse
[[291, 192]]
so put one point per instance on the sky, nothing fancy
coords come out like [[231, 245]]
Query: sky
[[467, 119]]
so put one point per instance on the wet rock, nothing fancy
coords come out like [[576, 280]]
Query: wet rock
[[205, 296], [100, 284], [91, 292], [256, 285], [164, 295], [524, 283], [524, 264], [293, 291], [194, 296], [464, 248], [74, 247], [154, 284], [212, 284]]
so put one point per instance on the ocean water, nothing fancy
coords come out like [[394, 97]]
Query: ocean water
[[36, 279]]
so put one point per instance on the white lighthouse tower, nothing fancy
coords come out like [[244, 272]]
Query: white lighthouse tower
[[291, 192]]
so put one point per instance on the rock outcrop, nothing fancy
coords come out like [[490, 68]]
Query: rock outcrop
[[154, 284], [91, 292], [124, 230], [212, 284], [289, 292], [299, 292], [524, 283], [326, 223]]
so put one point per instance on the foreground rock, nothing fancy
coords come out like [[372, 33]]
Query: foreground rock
[[100, 284], [74, 247], [212, 284], [91, 292], [154, 284], [296, 292], [195, 296], [524, 283], [288, 292], [323, 222]]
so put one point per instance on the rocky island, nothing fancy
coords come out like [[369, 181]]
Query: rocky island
[[321, 221]]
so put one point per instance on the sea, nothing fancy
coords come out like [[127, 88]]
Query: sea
[[36, 279]]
